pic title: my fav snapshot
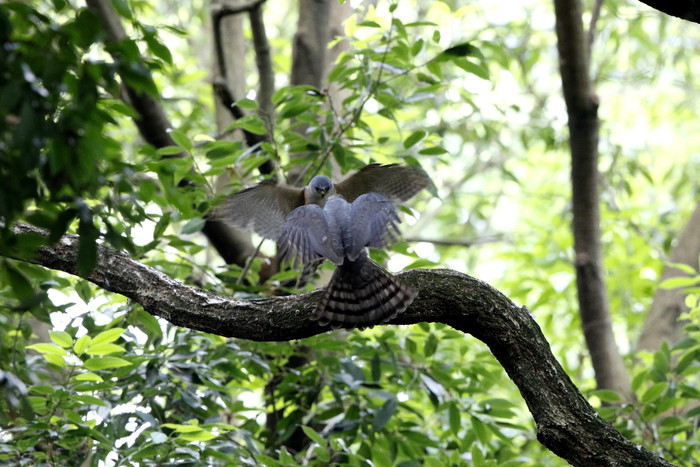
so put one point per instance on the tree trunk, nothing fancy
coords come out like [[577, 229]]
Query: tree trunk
[[582, 108], [662, 322]]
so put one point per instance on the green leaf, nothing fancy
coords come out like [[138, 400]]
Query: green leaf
[[168, 150], [55, 359], [461, 50], [430, 345], [683, 267], [21, 286], [653, 393], [182, 428], [414, 138], [294, 109], [193, 226], [376, 367], [246, 103], [103, 363], [250, 123], [434, 151], [88, 399], [104, 349], [317, 438], [45, 348], [161, 225], [181, 139], [384, 414], [678, 282], [82, 344], [158, 49], [88, 376], [472, 68], [61, 338], [109, 335], [84, 291], [267, 461], [607, 395], [454, 418], [201, 435]]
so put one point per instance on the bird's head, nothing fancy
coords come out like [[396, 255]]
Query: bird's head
[[319, 188]]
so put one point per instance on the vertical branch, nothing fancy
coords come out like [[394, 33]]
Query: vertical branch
[[592, 26], [662, 324], [582, 109], [263, 62]]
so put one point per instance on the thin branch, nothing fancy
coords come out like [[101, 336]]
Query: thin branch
[[456, 242], [592, 26], [566, 423], [263, 61]]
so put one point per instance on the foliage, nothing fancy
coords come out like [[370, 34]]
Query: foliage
[[666, 416], [470, 93]]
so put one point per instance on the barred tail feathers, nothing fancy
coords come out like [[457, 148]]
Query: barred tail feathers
[[362, 293]]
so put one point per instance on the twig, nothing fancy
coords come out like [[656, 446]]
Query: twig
[[595, 16], [358, 110], [450, 242]]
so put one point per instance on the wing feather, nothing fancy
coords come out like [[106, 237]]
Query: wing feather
[[399, 182], [306, 236], [374, 224], [262, 208]]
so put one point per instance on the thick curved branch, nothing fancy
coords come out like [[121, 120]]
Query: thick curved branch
[[566, 423]]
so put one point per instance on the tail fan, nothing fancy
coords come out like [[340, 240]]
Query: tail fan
[[361, 293]]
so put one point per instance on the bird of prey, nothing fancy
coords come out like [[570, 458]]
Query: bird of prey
[[264, 207], [361, 293]]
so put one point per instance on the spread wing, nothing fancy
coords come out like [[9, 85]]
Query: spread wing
[[262, 208], [306, 235], [400, 183], [374, 223]]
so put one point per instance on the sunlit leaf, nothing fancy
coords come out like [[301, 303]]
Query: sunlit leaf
[[109, 335], [103, 363], [47, 349], [61, 338]]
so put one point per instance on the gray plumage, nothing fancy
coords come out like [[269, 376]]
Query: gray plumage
[[361, 292], [264, 207]]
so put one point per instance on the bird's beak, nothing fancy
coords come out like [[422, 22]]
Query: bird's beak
[[322, 192]]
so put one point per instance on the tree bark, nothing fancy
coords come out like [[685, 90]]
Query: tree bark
[[582, 108], [662, 324], [566, 423]]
